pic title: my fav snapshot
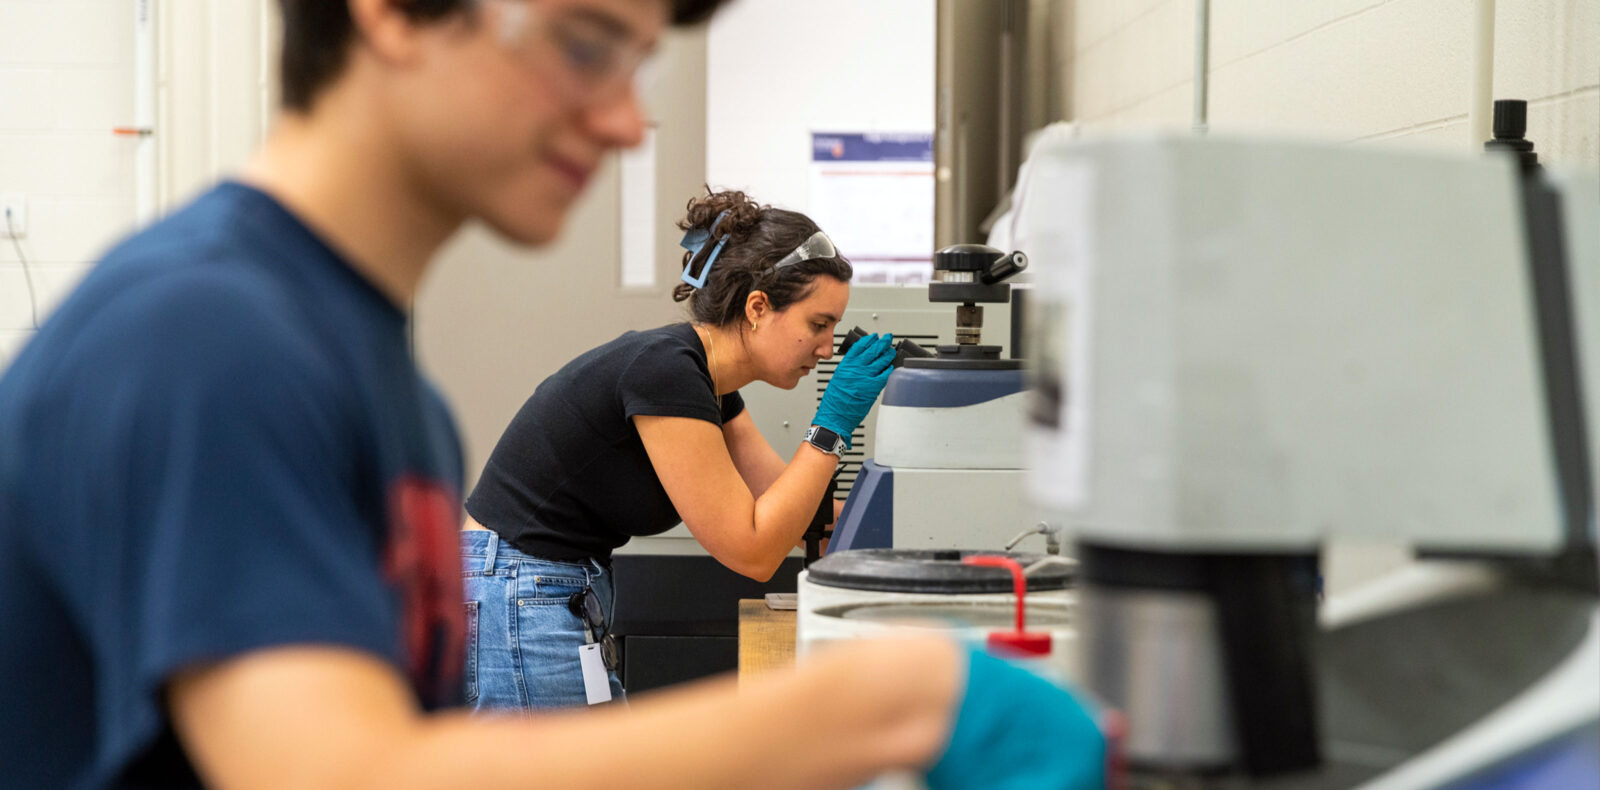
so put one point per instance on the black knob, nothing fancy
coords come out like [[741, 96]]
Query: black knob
[[1510, 124], [966, 258], [904, 349], [850, 339], [1510, 119], [1005, 267]]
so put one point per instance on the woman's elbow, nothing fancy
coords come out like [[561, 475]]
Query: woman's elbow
[[757, 568], [760, 571]]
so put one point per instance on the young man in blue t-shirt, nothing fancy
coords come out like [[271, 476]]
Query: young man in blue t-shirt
[[228, 499]]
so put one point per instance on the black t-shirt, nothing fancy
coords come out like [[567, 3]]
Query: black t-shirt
[[570, 478]]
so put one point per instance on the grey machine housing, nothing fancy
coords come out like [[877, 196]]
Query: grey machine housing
[[1248, 347]]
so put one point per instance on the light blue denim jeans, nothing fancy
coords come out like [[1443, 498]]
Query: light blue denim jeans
[[522, 640]]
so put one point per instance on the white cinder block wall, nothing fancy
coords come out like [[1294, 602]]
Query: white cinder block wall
[[66, 78], [1351, 70]]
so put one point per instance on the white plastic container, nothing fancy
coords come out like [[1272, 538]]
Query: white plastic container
[[874, 592]]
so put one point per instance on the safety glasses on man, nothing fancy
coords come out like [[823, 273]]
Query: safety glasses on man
[[589, 54]]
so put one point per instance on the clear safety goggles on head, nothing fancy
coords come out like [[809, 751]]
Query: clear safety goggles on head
[[818, 246], [695, 240]]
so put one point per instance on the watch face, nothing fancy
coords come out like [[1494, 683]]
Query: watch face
[[825, 440]]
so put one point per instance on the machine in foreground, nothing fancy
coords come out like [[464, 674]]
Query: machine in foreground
[[1247, 348]]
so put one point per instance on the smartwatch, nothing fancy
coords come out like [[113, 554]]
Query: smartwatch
[[826, 440]]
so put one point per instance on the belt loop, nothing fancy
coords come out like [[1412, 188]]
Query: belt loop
[[491, 551], [598, 570]]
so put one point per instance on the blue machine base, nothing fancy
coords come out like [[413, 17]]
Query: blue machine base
[[867, 521]]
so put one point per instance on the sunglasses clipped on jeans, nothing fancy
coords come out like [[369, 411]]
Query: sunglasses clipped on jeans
[[586, 605]]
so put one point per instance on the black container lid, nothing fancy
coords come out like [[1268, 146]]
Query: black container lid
[[937, 571]]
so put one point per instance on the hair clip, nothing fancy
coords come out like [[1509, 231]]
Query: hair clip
[[694, 241]]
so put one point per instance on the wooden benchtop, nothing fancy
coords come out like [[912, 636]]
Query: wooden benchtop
[[766, 638]]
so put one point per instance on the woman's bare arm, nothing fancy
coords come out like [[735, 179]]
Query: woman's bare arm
[[753, 456], [747, 533]]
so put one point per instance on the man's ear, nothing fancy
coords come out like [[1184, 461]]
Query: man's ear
[[383, 29]]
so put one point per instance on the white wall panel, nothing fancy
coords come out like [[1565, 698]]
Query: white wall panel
[[210, 108], [1241, 28], [65, 81], [1392, 71], [71, 229], [1566, 130], [67, 78], [1546, 47], [66, 32], [1402, 64], [777, 69]]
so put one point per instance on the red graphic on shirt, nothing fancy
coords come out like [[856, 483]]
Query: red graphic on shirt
[[423, 562]]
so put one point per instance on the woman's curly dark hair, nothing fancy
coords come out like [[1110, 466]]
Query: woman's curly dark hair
[[758, 237]]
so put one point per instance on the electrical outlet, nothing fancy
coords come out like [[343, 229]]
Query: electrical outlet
[[13, 216]]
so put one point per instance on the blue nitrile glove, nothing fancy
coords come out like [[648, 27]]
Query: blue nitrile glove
[[856, 384], [1017, 731]]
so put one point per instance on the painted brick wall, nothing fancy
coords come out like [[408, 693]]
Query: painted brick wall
[[1353, 70], [66, 78]]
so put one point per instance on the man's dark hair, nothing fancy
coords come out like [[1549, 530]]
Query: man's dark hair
[[317, 35]]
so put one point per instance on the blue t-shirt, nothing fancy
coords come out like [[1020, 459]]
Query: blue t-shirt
[[219, 443]]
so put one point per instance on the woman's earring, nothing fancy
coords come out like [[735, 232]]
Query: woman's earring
[[754, 326]]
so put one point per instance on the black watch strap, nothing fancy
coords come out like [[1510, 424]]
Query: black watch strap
[[826, 440]]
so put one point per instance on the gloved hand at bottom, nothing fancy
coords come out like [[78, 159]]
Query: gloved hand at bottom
[[1017, 731]]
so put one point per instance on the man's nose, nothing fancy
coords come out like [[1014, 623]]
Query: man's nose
[[618, 121]]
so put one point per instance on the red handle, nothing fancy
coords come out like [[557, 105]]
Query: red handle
[[1021, 642], [1019, 583]]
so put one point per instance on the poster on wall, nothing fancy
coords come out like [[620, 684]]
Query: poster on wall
[[873, 193]]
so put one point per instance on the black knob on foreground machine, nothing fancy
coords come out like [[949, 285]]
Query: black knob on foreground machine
[[1510, 128], [969, 274]]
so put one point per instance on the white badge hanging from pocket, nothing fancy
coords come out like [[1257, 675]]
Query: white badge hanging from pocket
[[596, 683]]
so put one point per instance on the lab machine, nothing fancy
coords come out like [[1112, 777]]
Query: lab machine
[[947, 468], [1246, 348]]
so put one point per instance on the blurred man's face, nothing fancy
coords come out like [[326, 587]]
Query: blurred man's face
[[507, 117]]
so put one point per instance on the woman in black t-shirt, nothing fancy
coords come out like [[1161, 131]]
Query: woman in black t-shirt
[[649, 429]]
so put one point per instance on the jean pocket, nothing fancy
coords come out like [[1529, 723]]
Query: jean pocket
[[546, 589], [470, 675]]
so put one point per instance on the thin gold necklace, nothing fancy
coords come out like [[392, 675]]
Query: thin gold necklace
[[711, 365]]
